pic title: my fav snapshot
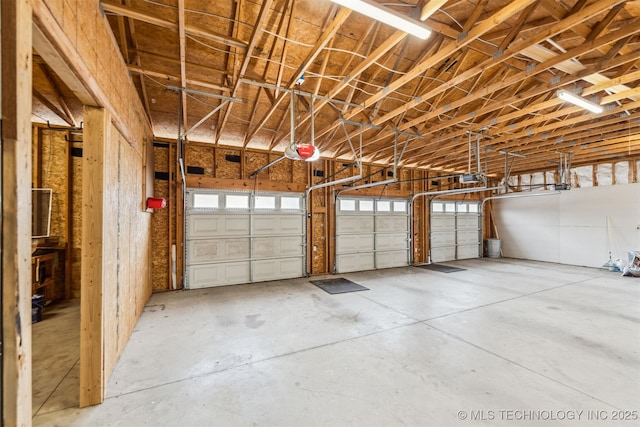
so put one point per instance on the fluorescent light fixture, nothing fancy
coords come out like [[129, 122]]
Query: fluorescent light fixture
[[579, 101], [388, 16]]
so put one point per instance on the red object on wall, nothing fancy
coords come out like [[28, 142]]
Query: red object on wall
[[154, 203]]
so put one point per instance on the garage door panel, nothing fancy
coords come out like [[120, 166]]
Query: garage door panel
[[444, 238], [214, 250], [275, 225], [467, 222], [354, 224], [391, 259], [466, 237], [389, 224], [276, 269], [210, 275], [269, 247], [205, 226], [391, 241], [443, 254], [354, 243], [442, 222], [468, 251], [228, 242], [455, 231], [355, 262], [371, 233]]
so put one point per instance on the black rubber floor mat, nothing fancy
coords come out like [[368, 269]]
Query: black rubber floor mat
[[441, 268], [338, 286]]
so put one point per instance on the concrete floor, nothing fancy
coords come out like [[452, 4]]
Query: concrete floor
[[56, 357], [504, 343]]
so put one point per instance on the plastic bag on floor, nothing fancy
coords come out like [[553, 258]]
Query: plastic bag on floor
[[633, 268]]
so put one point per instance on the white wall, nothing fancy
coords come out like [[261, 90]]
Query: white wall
[[571, 228]]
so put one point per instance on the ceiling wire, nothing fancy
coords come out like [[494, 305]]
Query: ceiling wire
[[228, 52], [338, 78]]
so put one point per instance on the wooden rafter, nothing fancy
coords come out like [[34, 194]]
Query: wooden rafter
[[450, 48], [490, 66], [189, 29], [182, 37], [67, 116], [281, 25], [536, 91], [54, 109], [138, 62], [177, 79], [257, 30], [486, 91], [326, 35]]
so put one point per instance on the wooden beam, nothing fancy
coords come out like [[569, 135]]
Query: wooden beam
[[97, 128], [172, 60], [267, 69], [513, 50], [177, 79], [58, 93], [455, 45], [15, 197], [475, 14], [246, 184], [183, 58], [368, 38], [69, 221], [189, 29], [327, 34], [255, 35], [54, 109], [124, 45], [515, 31], [430, 8], [138, 61], [492, 88], [604, 23]]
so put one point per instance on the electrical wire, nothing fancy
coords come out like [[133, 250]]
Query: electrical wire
[[228, 52]]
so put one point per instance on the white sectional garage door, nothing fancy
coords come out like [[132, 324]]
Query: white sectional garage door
[[455, 230], [236, 237], [371, 233]]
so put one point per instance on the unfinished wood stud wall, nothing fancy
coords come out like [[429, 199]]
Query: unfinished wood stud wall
[[15, 197], [97, 129]]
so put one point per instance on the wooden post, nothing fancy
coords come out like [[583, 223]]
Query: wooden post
[[97, 125], [69, 222], [172, 205], [15, 152]]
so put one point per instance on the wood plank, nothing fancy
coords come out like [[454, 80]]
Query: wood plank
[[430, 8], [68, 226], [97, 129], [144, 71], [191, 30], [53, 108], [327, 34], [447, 50], [172, 206], [182, 42], [253, 41], [58, 93], [521, 97], [180, 237], [262, 184], [15, 156]]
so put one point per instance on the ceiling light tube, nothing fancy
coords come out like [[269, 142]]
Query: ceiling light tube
[[579, 101], [388, 16]]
